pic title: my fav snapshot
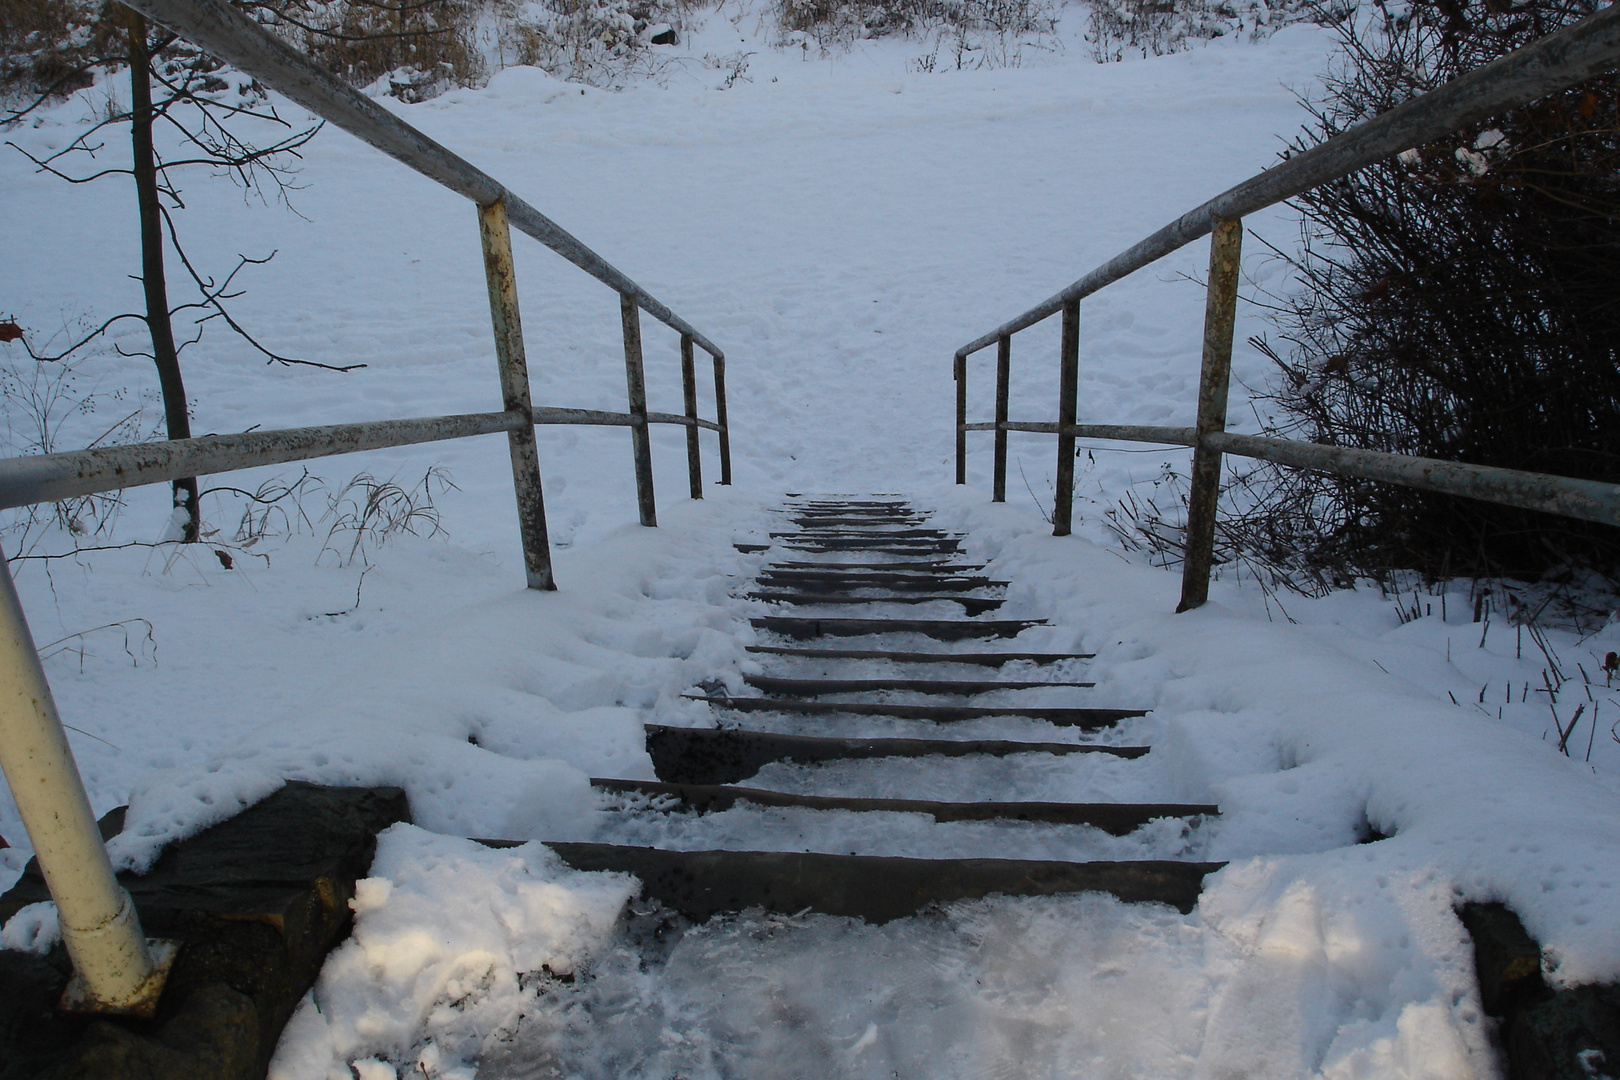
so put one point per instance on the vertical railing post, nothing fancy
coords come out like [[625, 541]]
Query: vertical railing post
[[636, 382], [1220, 315], [694, 461], [959, 367], [1068, 397], [114, 968], [998, 491], [720, 419], [501, 278]]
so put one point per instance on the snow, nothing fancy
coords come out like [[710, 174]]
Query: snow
[[839, 227]]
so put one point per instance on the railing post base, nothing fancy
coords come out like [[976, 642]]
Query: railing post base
[[998, 489], [1214, 380], [501, 278], [636, 383], [694, 459], [1068, 405], [112, 963], [721, 420], [959, 368]]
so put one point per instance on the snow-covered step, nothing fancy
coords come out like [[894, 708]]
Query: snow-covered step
[[1061, 715], [834, 581], [980, 659], [701, 884], [725, 756], [873, 546], [973, 605], [919, 565], [852, 533], [843, 520], [776, 684], [1116, 819], [939, 629]]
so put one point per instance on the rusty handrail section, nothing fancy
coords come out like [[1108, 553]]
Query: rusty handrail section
[[1571, 55], [53, 477], [226, 33], [1143, 433], [1588, 500]]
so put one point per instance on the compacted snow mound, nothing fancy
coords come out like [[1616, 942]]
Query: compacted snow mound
[[449, 938]]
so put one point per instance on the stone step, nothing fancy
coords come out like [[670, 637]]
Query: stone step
[[1116, 819], [866, 534], [989, 659], [931, 566], [702, 884], [873, 545], [727, 755], [939, 629], [1086, 719], [836, 521], [822, 580], [849, 508], [973, 605], [776, 684]]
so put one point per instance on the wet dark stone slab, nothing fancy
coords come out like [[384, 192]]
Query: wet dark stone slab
[[725, 756], [257, 902], [939, 629], [702, 884], [1118, 819], [1543, 1034]]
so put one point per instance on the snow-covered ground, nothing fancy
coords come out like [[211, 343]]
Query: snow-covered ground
[[838, 226]]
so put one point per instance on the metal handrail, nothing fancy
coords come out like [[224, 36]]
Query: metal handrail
[[116, 968], [73, 473], [1573, 54], [1560, 60]]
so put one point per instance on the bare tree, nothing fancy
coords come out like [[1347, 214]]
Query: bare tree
[[207, 110]]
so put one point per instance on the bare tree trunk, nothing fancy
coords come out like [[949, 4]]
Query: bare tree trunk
[[153, 280]]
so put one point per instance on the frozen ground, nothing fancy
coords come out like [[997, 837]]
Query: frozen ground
[[839, 227]]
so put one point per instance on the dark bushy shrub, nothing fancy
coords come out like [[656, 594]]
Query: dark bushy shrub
[[1461, 301]]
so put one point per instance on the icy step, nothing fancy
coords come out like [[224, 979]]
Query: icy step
[[725, 756], [1062, 716], [865, 534], [702, 884], [870, 547], [973, 605], [839, 521], [980, 659], [1116, 819], [822, 581], [939, 629], [932, 566], [776, 684], [863, 541], [850, 508]]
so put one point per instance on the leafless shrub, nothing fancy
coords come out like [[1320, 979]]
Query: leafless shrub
[[47, 406], [366, 512], [1120, 28], [1457, 302], [352, 519], [963, 33], [603, 43]]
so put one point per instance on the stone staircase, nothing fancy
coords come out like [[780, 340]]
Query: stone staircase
[[874, 572]]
